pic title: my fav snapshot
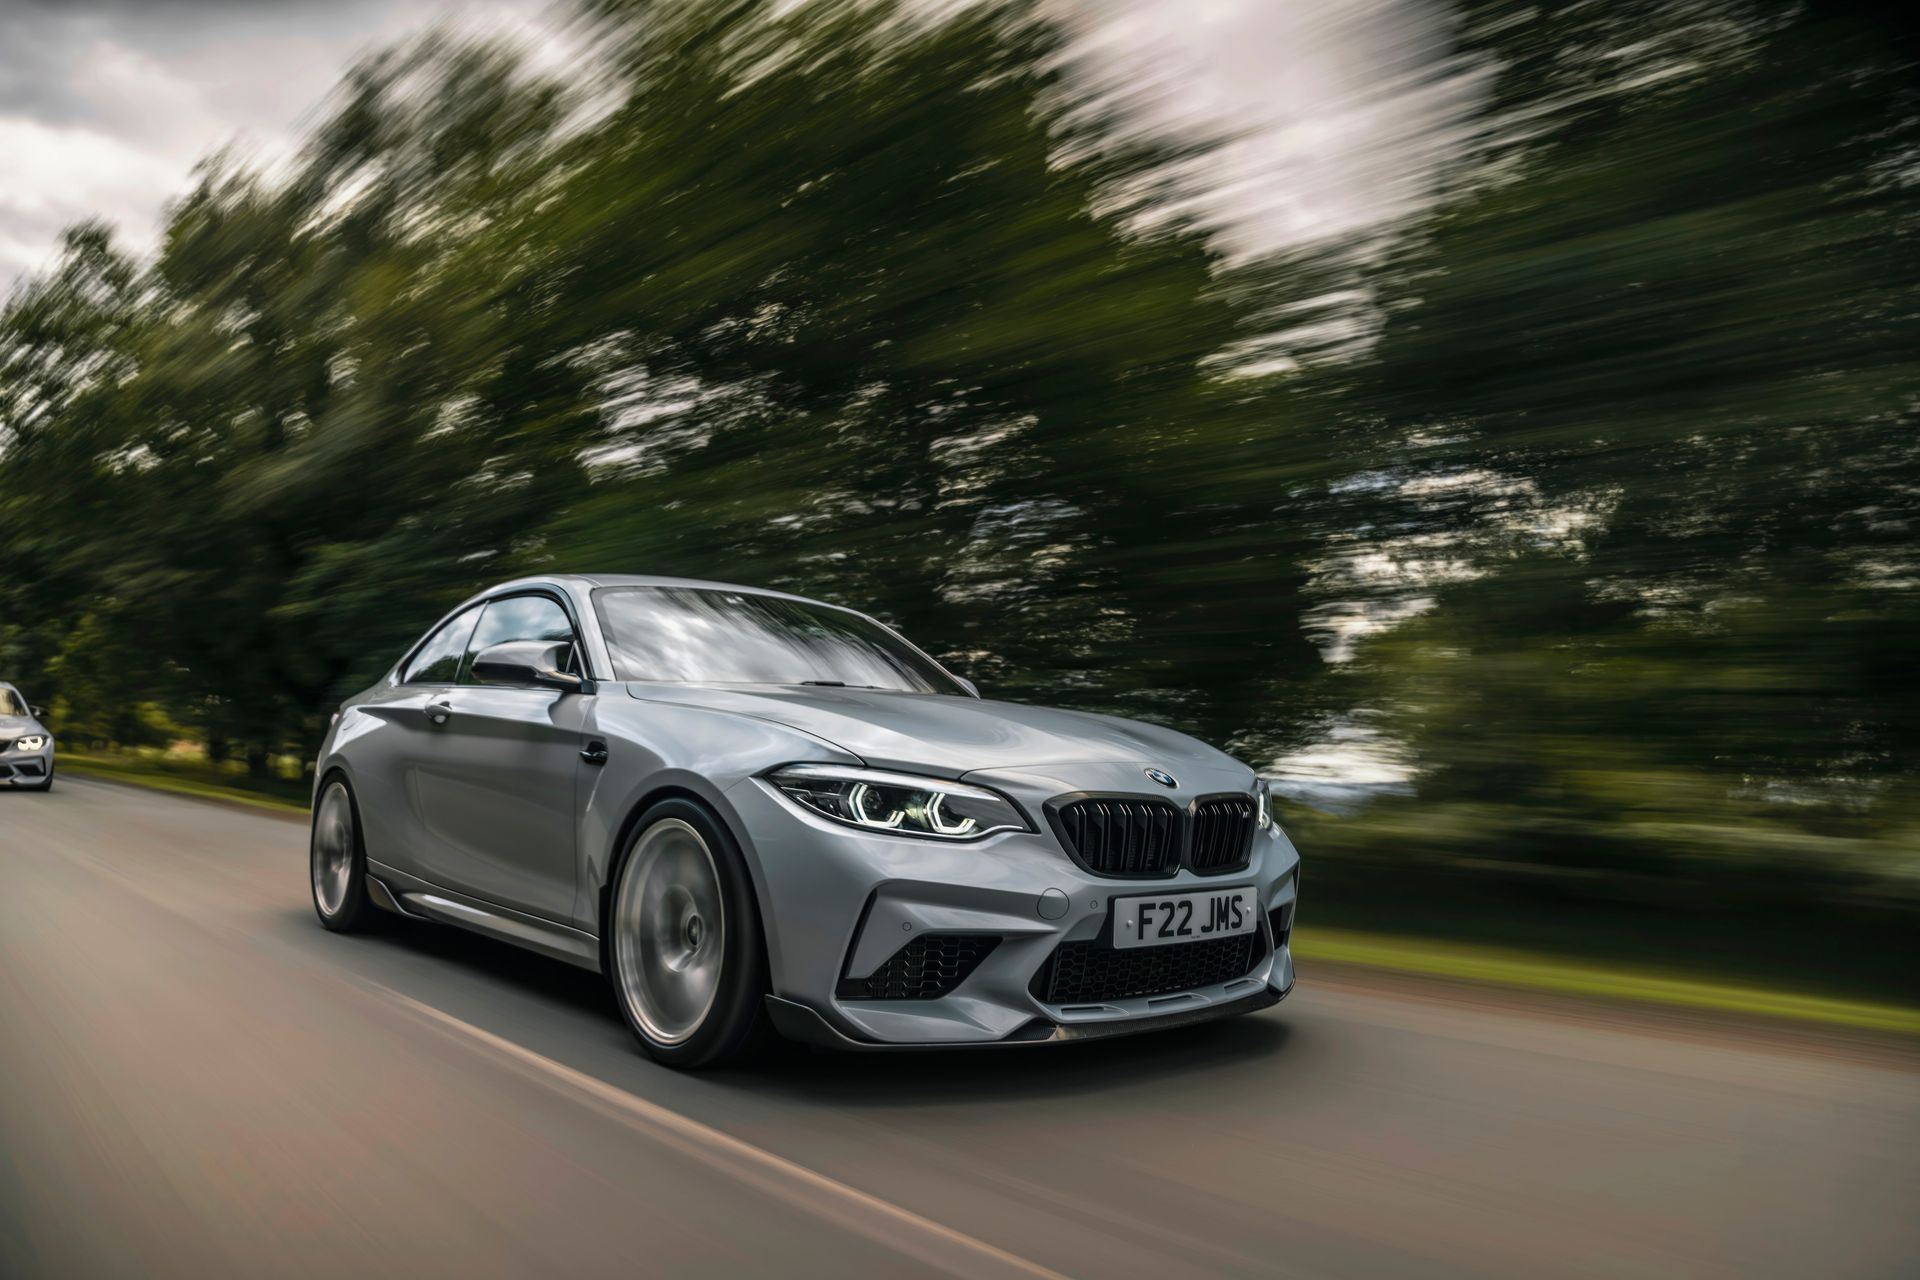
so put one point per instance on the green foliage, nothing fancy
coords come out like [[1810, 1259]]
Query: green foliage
[[853, 299], [110, 689], [834, 298], [1652, 378]]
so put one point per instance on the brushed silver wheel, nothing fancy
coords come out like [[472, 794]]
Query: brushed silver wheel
[[670, 932], [333, 849]]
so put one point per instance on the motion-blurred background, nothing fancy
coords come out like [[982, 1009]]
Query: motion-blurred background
[[1493, 420]]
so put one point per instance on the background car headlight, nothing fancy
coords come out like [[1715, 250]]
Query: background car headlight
[[1262, 804], [32, 742], [897, 802]]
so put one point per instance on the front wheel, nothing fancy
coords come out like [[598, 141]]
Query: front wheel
[[337, 862], [684, 947]]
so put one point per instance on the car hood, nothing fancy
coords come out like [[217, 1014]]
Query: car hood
[[946, 735], [19, 726]]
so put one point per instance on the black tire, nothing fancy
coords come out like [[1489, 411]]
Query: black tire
[[328, 880], [734, 1024]]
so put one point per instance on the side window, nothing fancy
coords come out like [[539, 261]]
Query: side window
[[521, 618], [438, 661]]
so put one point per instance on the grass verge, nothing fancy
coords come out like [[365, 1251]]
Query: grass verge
[[187, 778], [1532, 971]]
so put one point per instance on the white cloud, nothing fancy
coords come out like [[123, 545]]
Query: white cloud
[[133, 129], [1335, 117], [60, 174], [105, 111]]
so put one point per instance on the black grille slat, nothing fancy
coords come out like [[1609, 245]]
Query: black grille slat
[[1145, 837], [927, 968], [1222, 833], [1117, 836], [1094, 972]]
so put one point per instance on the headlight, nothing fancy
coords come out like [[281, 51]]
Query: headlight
[[32, 742], [1262, 805], [898, 802]]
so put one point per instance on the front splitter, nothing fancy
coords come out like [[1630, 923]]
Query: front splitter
[[807, 1025]]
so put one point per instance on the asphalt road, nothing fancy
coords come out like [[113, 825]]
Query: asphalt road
[[196, 1080]]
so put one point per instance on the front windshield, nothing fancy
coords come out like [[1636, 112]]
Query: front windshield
[[704, 635], [10, 703]]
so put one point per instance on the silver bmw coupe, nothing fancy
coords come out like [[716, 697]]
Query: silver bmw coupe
[[754, 812]]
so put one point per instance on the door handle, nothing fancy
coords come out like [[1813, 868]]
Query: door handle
[[439, 710], [595, 752]]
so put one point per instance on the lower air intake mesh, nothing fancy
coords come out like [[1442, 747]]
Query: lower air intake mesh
[[927, 968], [1094, 972]]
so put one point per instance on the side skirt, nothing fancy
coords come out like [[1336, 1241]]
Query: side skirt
[[420, 899]]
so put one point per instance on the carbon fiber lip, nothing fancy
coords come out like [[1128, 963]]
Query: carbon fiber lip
[[801, 1022]]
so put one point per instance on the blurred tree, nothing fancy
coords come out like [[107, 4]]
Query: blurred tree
[[67, 344], [880, 303], [882, 318], [1656, 363], [111, 690], [841, 297], [314, 483]]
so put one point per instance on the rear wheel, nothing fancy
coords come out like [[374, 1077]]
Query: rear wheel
[[337, 861], [684, 948]]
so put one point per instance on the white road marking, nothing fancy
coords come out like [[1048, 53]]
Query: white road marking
[[937, 1246]]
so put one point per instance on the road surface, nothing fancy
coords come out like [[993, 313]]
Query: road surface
[[196, 1080]]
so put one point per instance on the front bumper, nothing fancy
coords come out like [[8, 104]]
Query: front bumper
[[838, 904], [26, 768]]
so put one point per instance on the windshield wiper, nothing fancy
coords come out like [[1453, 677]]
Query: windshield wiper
[[837, 684]]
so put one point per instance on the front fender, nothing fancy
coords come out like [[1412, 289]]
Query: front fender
[[661, 749]]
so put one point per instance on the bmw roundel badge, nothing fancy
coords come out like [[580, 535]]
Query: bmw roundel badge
[[1162, 777]]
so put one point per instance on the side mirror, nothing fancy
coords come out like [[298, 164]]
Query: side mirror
[[527, 662], [38, 713], [968, 685]]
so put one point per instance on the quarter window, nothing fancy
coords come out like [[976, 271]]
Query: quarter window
[[438, 660], [522, 618]]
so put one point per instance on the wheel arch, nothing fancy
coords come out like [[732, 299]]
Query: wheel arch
[[332, 766], [629, 826]]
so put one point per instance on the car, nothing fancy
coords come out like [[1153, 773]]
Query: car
[[757, 813], [26, 748]]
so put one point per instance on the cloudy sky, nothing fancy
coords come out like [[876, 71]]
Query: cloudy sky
[[106, 105]]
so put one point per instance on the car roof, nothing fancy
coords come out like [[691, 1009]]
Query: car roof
[[593, 580]]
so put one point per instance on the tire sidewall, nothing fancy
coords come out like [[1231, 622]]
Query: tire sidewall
[[734, 1020]]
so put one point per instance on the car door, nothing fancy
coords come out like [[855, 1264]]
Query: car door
[[404, 736], [495, 792]]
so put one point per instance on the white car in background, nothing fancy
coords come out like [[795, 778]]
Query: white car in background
[[26, 748]]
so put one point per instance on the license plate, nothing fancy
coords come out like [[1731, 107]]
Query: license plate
[[1183, 917]]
